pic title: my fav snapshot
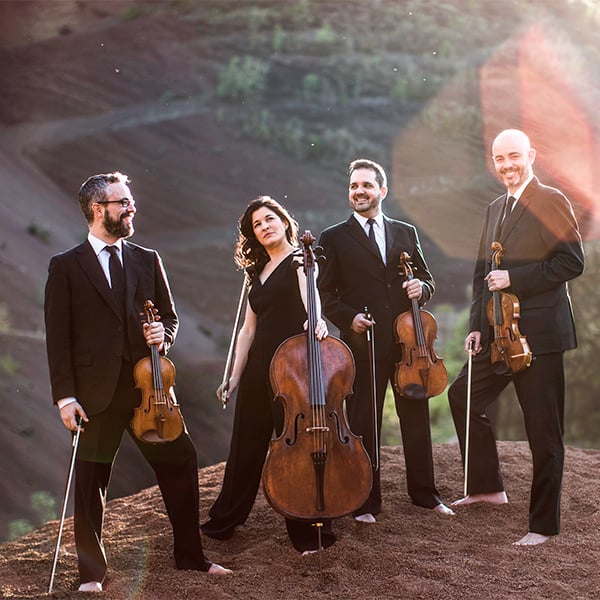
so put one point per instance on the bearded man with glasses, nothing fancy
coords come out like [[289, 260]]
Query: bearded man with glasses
[[94, 296]]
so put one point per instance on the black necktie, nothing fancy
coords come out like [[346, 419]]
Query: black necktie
[[508, 206], [117, 277], [371, 223]]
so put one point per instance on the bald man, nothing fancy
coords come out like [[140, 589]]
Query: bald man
[[542, 246]]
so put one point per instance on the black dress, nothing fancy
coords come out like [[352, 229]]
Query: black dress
[[280, 314]]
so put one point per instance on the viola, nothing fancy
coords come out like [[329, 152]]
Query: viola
[[157, 419], [317, 468], [510, 352], [420, 374]]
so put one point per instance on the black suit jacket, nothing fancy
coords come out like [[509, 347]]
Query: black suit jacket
[[542, 251], [84, 329], [354, 276]]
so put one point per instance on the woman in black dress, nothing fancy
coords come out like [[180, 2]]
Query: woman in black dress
[[276, 310]]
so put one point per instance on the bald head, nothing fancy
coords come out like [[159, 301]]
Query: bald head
[[513, 158], [515, 137]]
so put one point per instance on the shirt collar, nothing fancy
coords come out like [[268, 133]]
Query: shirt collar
[[98, 245], [363, 220], [518, 193]]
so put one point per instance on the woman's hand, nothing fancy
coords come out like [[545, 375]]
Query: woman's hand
[[321, 330], [224, 394]]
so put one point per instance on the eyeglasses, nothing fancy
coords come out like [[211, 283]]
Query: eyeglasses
[[124, 202]]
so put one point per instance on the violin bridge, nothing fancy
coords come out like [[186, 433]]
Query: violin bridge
[[311, 429]]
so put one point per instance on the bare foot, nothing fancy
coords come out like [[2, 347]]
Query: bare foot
[[532, 539], [90, 586], [366, 518], [442, 509], [494, 498], [216, 569]]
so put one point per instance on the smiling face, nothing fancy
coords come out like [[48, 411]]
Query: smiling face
[[117, 220], [513, 159], [364, 193]]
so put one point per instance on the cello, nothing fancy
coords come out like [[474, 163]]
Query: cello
[[510, 352], [420, 374], [157, 420], [317, 468]]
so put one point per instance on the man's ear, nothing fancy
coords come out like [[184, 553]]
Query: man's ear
[[531, 155]]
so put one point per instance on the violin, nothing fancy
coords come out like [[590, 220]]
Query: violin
[[420, 374], [157, 419], [317, 468], [510, 352]]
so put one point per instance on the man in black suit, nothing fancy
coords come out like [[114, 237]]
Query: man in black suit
[[361, 272], [542, 247], [94, 336]]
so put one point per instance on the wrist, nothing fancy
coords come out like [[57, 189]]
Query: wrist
[[65, 402]]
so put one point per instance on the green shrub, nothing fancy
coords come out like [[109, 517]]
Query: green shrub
[[311, 85], [257, 126], [278, 39], [243, 79], [4, 321], [41, 232], [44, 506], [8, 365], [18, 527]]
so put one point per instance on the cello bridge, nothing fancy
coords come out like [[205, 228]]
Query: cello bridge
[[321, 428]]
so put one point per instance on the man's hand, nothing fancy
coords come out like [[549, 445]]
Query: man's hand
[[473, 338], [155, 334], [69, 414], [414, 288], [360, 323], [498, 280]]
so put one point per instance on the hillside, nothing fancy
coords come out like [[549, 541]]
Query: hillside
[[208, 103], [409, 554]]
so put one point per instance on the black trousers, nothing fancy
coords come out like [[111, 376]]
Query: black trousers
[[176, 468], [541, 391], [414, 426], [256, 417]]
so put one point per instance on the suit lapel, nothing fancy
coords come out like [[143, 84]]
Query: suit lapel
[[131, 264], [358, 233], [518, 210], [496, 216], [392, 244], [92, 269]]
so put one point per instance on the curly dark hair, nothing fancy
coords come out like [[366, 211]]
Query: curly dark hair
[[249, 252]]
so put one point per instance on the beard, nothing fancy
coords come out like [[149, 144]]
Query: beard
[[521, 173], [118, 227], [361, 205]]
